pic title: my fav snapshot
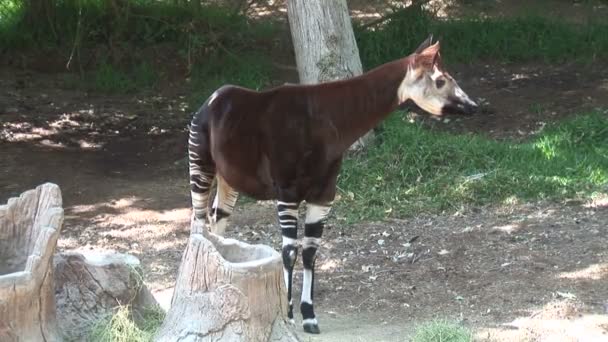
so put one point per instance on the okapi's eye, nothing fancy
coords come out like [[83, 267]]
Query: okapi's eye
[[439, 83]]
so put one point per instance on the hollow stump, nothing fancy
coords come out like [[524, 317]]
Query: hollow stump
[[29, 228], [227, 290]]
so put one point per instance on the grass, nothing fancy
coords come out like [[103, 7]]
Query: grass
[[251, 70], [442, 331], [412, 170], [121, 326], [213, 42], [221, 46], [110, 79], [509, 39]]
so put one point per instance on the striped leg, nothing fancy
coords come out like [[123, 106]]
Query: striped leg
[[201, 175], [223, 205], [288, 220], [313, 230]]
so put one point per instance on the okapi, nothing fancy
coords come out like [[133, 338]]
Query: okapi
[[287, 144]]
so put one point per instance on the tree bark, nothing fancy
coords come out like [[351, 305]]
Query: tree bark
[[227, 290], [324, 44], [29, 228]]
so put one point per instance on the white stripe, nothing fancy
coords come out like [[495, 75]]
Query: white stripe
[[311, 242], [285, 276], [212, 97], [307, 286], [310, 321], [291, 204], [288, 241], [290, 212], [316, 213]]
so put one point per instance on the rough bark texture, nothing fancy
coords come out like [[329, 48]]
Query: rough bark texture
[[89, 286], [29, 228], [324, 43], [227, 290]]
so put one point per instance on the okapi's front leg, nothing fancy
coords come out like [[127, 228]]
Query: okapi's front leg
[[313, 230], [288, 220]]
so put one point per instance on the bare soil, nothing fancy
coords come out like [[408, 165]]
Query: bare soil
[[524, 272]]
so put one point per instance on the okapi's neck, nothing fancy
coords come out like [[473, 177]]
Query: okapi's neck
[[360, 103]]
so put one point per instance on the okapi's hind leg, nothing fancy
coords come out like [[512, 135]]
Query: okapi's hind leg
[[223, 206], [316, 214], [202, 172]]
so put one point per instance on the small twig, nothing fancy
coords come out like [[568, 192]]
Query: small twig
[[365, 300], [76, 36]]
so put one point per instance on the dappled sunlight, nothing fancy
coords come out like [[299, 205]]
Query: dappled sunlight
[[66, 130], [330, 265], [591, 272], [598, 201], [130, 215], [559, 320], [508, 228], [128, 225]]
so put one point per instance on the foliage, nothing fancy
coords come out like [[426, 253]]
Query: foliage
[[530, 37], [251, 70], [134, 22], [121, 327], [442, 331], [412, 170], [108, 78]]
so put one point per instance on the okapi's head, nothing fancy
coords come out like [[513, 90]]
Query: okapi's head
[[430, 86]]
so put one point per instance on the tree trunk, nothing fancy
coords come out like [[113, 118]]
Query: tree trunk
[[324, 44], [227, 290], [29, 228]]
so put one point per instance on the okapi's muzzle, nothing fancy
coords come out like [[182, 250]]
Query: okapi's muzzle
[[457, 106]]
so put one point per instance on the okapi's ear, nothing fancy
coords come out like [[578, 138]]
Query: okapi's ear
[[431, 51], [430, 54], [425, 44]]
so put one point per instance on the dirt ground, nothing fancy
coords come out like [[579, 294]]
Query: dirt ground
[[518, 272], [521, 272]]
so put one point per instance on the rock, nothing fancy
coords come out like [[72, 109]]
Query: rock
[[89, 286]]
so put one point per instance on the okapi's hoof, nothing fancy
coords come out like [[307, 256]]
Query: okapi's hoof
[[311, 328]]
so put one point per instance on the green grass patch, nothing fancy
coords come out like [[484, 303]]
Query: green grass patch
[[530, 37], [121, 326], [131, 23], [111, 79], [413, 170], [442, 331], [251, 70]]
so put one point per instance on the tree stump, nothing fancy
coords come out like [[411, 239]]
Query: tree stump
[[227, 290], [29, 228]]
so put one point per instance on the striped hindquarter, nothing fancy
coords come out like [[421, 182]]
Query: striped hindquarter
[[201, 174]]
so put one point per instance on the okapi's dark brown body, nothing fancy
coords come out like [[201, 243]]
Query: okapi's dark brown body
[[287, 143]]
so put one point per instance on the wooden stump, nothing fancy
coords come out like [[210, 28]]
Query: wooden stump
[[227, 290], [29, 228], [90, 285]]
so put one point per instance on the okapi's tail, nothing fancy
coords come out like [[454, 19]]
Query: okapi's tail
[[202, 167]]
